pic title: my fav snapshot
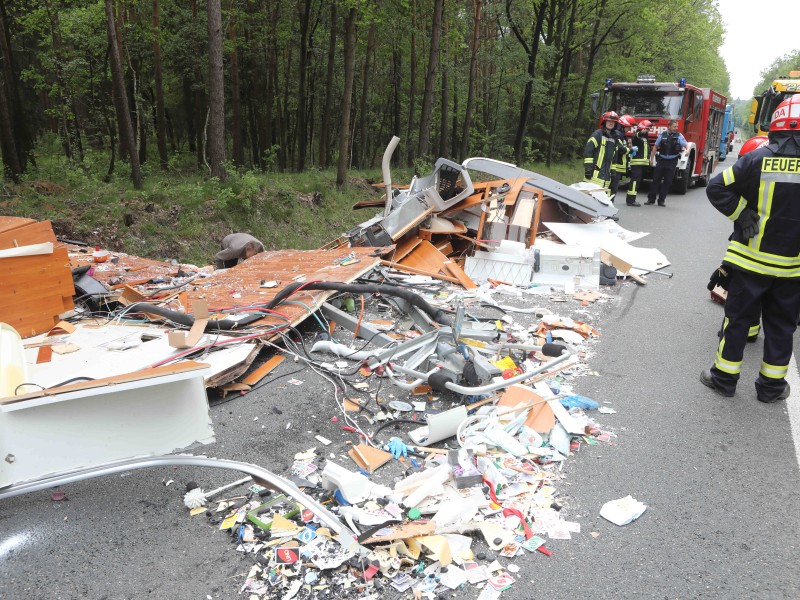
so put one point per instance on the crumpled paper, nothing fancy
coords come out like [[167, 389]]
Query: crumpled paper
[[622, 511]]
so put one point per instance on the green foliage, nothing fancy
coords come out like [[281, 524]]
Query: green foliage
[[780, 67]]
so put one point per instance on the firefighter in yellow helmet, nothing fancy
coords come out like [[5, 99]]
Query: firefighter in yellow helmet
[[759, 194]]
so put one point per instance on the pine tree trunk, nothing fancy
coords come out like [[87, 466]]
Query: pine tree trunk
[[324, 134], [121, 98], [412, 84], [23, 142], [423, 143], [216, 92], [473, 71], [301, 131], [236, 102], [347, 96], [161, 119], [363, 111]]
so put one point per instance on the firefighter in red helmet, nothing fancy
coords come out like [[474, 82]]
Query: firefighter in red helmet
[[753, 143], [759, 194], [639, 159], [599, 151]]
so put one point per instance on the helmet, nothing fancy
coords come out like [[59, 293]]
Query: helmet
[[610, 116], [752, 144], [645, 124], [787, 116], [627, 121]]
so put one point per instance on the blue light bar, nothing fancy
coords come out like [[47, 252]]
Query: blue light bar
[[682, 82], [608, 82]]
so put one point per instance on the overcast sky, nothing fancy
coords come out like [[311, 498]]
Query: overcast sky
[[757, 33]]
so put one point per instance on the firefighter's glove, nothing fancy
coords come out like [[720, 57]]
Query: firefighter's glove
[[588, 171], [720, 277], [748, 223]]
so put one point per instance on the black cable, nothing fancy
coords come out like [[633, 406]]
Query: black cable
[[16, 389], [71, 380], [386, 424]]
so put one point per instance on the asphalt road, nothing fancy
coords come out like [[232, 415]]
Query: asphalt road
[[720, 476]]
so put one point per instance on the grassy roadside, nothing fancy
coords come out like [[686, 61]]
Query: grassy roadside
[[180, 215]]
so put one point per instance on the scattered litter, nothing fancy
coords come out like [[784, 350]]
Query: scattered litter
[[622, 511]]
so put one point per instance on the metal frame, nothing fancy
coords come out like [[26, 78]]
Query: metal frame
[[345, 536]]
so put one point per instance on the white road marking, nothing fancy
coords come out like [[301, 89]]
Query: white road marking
[[793, 406]]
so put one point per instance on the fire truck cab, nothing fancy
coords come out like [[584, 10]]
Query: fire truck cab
[[699, 112]]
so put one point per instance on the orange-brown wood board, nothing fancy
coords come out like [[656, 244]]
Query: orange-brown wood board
[[239, 286], [35, 289]]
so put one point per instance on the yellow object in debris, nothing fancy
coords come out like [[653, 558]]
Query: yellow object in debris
[[504, 363]]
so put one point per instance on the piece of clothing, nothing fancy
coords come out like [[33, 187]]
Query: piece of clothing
[[236, 247], [769, 184], [598, 156], [637, 174], [663, 174], [778, 301], [669, 145]]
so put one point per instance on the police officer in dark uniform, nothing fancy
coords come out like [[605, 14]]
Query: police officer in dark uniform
[[600, 150], [639, 158], [760, 195], [668, 148]]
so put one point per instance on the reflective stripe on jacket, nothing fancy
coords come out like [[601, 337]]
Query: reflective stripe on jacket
[[599, 153]]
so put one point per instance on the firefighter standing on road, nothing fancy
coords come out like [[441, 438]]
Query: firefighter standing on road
[[760, 194], [619, 165], [599, 152], [640, 158], [668, 148]]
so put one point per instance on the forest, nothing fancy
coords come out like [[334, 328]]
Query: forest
[[227, 86]]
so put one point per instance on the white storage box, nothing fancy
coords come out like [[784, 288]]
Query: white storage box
[[571, 267], [508, 268]]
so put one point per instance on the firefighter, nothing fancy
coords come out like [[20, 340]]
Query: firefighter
[[599, 152], [669, 146], [759, 194], [619, 166], [639, 158], [721, 277]]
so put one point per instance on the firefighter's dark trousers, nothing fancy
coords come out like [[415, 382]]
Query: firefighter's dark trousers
[[637, 173], [663, 174], [778, 301]]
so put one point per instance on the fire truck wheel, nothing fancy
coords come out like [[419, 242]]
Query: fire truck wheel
[[704, 179]]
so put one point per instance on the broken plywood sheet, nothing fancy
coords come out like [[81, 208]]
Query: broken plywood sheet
[[239, 285], [129, 269], [115, 349]]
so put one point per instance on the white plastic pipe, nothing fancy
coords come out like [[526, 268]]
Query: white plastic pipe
[[387, 172]]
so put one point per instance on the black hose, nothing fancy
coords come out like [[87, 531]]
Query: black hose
[[365, 288], [188, 320]]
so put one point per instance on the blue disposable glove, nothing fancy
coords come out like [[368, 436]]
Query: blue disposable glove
[[397, 448], [634, 151], [578, 401]]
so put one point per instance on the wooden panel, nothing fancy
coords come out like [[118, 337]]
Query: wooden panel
[[425, 257], [34, 233], [9, 223]]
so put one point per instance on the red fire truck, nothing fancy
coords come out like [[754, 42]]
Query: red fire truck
[[699, 112]]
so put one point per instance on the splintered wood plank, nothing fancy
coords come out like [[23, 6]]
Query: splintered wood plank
[[459, 274], [264, 370]]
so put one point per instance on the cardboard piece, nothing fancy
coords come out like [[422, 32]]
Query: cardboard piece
[[369, 458], [541, 417], [620, 265], [180, 339]]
